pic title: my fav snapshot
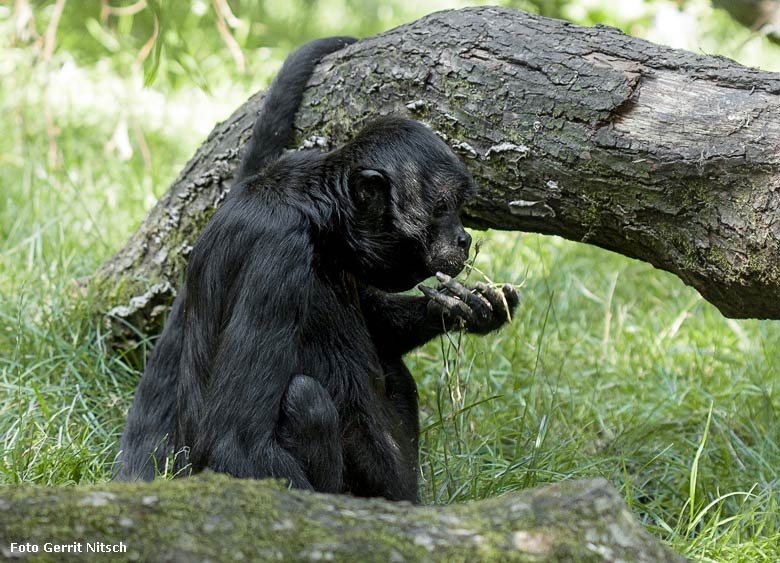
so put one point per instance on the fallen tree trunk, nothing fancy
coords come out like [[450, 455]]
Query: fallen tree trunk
[[586, 133], [216, 518]]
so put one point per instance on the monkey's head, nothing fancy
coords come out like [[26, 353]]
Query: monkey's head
[[406, 189]]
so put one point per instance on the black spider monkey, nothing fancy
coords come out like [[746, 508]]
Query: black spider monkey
[[281, 355]]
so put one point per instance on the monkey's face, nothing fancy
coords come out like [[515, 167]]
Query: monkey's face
[[406, 189], [448, 244], [408, 231]]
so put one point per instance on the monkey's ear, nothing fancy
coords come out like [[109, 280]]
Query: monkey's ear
[[370, 189]]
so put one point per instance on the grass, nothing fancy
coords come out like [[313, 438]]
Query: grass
[[621, 372], [610, 368]]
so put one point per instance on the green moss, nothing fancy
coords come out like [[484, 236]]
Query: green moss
[[218, 518]]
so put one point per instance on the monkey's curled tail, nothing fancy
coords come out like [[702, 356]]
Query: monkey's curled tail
[[273, 129]]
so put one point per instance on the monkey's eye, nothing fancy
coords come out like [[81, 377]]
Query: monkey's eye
[[441, 210]]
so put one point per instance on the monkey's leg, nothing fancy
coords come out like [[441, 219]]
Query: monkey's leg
[[402, 396], [147, 438], [309, 429], [375, 464]]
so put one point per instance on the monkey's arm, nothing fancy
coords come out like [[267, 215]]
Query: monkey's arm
[[147, 439], [235, 429], [400, 323]]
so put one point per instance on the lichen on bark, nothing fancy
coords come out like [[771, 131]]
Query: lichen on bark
[[216, 518]]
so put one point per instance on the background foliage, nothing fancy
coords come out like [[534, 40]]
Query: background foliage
[[611, 368]]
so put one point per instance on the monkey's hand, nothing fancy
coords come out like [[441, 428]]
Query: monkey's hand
[[479, 310]]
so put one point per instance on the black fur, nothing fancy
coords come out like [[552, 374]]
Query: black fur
[[282, 352]]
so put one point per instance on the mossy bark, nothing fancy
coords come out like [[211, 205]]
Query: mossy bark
[[656, 153], [216, 518]]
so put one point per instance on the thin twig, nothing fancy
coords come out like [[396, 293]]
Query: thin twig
[[227, 13], [51, 31], [220, 7], [107, 10], [145, 152], [147, 48]]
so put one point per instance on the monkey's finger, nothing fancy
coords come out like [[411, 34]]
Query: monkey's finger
[[512, 298], [427, 291], [495, 298], [450, 304], [480, 306]]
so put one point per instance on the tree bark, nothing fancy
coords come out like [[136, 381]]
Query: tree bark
[[655, 153], [216, 518]]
